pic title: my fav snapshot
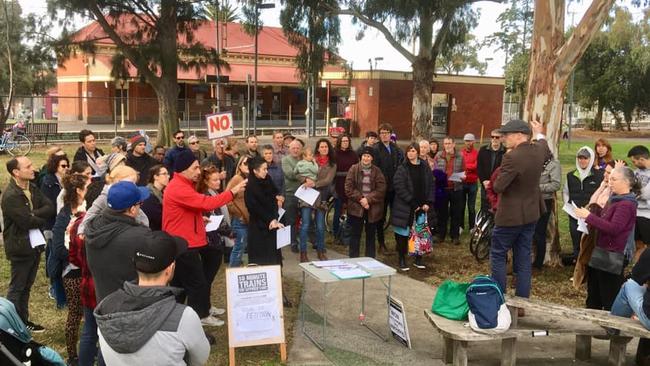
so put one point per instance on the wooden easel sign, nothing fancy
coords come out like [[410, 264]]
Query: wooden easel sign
[[255, 310]]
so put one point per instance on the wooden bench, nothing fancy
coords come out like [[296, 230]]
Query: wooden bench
[[628, 328], [457, 335], [41, 131]]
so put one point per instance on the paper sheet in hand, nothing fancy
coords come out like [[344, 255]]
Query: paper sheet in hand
[[36, 238], [281, 212], [307, 194], [568, 208], [582, 226], [457, 177], [283, 237], [348, 274], [215, 221], [372, 264]]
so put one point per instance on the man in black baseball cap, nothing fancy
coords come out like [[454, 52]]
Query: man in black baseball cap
[[142, 323]]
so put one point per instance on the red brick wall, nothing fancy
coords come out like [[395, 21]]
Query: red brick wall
[[476, 104], [99, 104]]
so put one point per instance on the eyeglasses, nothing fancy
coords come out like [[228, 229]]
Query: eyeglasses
[[384, 132], [64, 166], [165, 173], [495, 137], [194, 143], [180, 137]]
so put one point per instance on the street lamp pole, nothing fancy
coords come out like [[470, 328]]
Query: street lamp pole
[[258, 6]]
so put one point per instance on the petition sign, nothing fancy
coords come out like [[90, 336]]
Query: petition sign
[[219, 125]]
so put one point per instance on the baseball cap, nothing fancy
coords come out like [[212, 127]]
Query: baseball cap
[[515, 125], [157, 252], [125, 194], [469, 137]]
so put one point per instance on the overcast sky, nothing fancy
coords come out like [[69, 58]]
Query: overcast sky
[[375, 45]]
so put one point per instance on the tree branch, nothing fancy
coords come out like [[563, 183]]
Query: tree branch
[[133, 56], [579, 40], [380, 27], [436, 48]]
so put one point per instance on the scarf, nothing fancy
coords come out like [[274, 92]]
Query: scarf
[[157, 193], [623, 197], [322, 160]]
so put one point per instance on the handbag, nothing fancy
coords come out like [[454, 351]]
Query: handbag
[[420, 238], [604, 260]]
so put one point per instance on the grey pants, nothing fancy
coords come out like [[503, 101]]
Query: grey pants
[[23, 274]]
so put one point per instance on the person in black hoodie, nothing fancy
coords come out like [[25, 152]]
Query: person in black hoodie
[[139, 160], [111, 238], [141, 323]]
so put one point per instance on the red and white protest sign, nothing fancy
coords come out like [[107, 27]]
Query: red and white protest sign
[[219, 125]]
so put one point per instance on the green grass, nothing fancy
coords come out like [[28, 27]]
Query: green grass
[[43, 309], [446, 262]]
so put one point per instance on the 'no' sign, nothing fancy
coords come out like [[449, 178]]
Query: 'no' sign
[[219, 125]]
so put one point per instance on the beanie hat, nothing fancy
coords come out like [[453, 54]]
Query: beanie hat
[[113, 160], [368, 150], [135, 140], [183, 160]]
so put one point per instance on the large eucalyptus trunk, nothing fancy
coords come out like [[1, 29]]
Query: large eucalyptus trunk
[[552, 61], [167, 113], [422, 88]]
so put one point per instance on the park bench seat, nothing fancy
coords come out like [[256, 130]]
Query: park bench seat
[[628, 328], [42, 131], [457, 335]]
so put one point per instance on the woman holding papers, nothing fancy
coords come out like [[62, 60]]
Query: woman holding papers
[[324, 157], [212, 254], [262, 204], [414, 195], [239, 213], [615, 222], [365, 187]]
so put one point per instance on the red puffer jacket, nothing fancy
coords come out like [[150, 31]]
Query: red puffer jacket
[[183, 209], [77, 256], [471, 165]]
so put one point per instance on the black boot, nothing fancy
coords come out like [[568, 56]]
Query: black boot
[[402, 263], [418, 262]]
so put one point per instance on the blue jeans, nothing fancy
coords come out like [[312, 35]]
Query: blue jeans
[[241, 241], [629, 301], [88, 348], [519, 238], [336, 225], [305, 217], [469, 200]]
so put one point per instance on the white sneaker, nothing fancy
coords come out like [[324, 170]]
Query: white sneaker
[[216, 311], [210, 321]]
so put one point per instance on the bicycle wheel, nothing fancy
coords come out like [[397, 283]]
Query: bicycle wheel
[[329, 217], [479, 244], [19, 145]]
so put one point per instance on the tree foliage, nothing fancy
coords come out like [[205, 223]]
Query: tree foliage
[[435, 27], [146, 34], [614, 73], [462, 56], [226, 12], [314, 31], [26, 60]]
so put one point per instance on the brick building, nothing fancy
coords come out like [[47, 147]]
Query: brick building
[[461, 104], [87, 92]]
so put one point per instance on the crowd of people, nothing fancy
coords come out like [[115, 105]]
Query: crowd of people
[[128, 252]]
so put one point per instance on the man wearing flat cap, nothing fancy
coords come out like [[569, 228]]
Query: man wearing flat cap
[[141, 323], [520, 202]]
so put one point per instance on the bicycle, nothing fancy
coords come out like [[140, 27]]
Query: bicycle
[[479, 244], [15, 142]]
